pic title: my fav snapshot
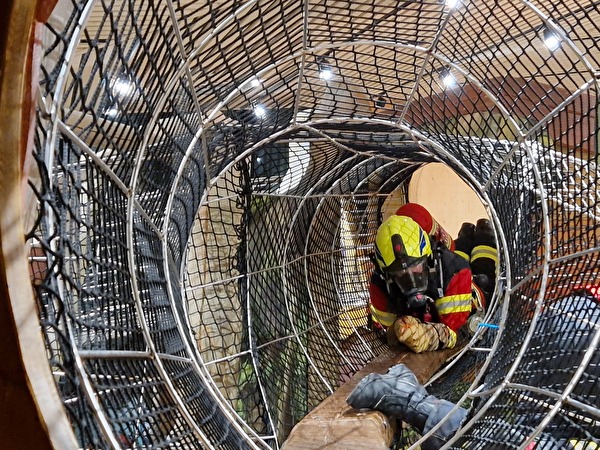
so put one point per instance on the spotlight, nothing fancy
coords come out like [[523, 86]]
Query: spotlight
[[111, 112], [259, 110], [551, 40], [446, 77], [380, 101], [122, 87], [449, 4], [325, 71]]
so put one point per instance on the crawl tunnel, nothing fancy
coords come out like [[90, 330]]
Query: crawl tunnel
[[203, 181]]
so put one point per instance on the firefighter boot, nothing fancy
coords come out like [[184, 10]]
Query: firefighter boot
[[465, 241], [484, 257], [439, 410], [392, 393], [399, 394]]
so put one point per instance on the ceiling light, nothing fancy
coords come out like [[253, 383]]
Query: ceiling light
[[325, 70], [111, 112], [251, 83], [260, 110], [122, 87], [325, 73], [451, 4], [551, 40], [447, 78]]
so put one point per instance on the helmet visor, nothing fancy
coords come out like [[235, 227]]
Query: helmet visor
[[413, 278]]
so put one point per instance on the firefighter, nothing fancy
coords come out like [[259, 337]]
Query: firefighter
[[421, 292], [565, 333], [475, 243]]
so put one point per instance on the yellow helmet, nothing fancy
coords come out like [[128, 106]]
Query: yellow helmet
[[400, 242], [402, 251]]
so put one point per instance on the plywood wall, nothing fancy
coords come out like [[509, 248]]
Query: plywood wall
[[449, 199]]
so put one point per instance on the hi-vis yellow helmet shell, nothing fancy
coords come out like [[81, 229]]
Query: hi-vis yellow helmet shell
[[400, 240]]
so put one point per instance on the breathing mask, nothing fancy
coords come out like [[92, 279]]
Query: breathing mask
[[412, 280]]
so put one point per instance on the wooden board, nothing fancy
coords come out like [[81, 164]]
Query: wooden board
[[335, 425]]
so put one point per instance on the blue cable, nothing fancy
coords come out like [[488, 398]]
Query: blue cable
[[489, 325]]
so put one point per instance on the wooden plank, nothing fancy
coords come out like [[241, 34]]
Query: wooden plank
[[335, 425], [31, 412]]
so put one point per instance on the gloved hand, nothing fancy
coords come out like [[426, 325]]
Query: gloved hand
[[420, 337]]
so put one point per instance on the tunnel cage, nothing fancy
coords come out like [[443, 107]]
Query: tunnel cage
[[207, 178]]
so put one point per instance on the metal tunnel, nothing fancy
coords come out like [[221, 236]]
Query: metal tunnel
[[191, 190]]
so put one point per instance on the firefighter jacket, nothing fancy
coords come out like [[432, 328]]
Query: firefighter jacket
[[449, 286]]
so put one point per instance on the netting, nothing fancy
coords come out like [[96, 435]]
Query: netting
[[209, 177]]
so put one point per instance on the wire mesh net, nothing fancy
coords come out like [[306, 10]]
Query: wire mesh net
[[208, 178]]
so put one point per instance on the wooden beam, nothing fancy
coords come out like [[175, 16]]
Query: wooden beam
[[333, 424], [31, 412]]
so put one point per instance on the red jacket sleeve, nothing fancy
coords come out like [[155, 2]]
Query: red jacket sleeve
[[379, 306], [455, 306]]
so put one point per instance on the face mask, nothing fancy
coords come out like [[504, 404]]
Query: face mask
[[412, 279], [417, 300]]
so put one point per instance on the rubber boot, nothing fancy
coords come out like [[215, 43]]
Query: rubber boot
[[439, 410], [465, 241], [484, 257], [399, 394], [390, 393]]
